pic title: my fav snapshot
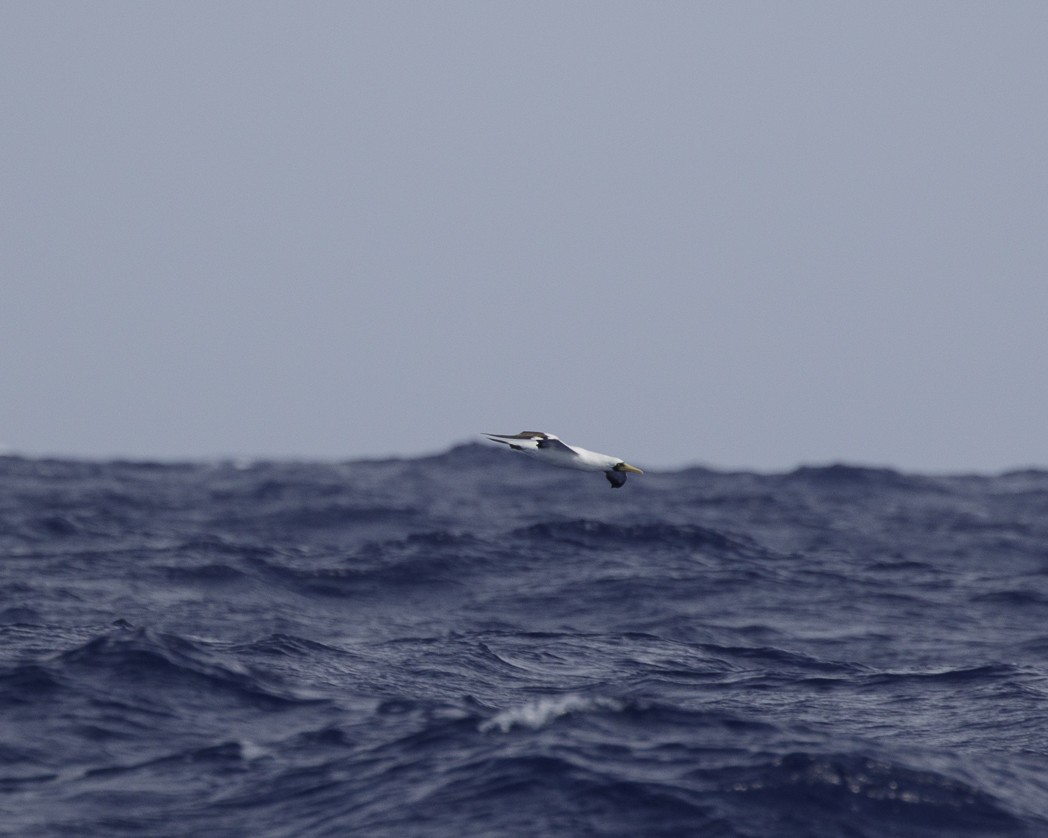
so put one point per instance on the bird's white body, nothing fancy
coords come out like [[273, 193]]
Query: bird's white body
[[550, 449]]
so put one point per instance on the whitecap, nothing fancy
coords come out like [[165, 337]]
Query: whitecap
[[543, 711]]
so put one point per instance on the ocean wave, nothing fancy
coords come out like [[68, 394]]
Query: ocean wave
[[421, 559], [169, 667], [541, 712], [984, 674], [594, 534], [839, 476], [864, 795]]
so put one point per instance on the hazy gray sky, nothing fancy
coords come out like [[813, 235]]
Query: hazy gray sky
[[745, 234]]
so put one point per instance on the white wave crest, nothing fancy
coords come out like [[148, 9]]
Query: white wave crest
[[543, 711]]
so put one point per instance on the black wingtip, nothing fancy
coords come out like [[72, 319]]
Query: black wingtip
[[615, 478]]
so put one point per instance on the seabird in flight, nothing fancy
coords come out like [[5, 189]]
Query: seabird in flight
[[550, 449]]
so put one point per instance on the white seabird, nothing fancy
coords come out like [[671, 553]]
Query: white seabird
[[550, 449]]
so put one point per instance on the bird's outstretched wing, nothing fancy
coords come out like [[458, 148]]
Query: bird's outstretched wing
[[532, 439]]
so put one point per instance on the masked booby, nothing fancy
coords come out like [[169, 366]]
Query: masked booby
[[550, 449]]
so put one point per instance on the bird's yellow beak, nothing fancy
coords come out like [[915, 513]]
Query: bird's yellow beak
[[628, 467]]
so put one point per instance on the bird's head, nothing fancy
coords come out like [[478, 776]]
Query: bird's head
[[627, 467]]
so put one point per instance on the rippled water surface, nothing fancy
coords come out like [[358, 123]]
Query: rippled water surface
[[474, 644]]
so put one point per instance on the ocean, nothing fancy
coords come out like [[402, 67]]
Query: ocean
[[474, 644]]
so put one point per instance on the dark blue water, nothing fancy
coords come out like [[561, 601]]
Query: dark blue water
[[474, 644]]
